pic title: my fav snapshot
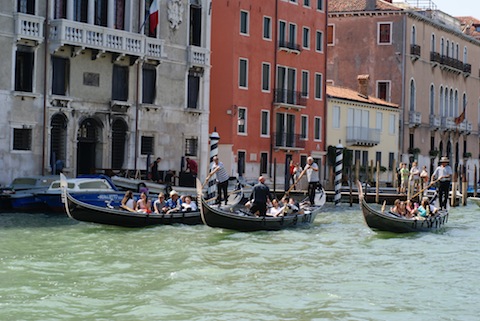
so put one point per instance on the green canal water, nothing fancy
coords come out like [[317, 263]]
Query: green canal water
[[54, 268]]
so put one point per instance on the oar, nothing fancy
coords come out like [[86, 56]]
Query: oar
[[383, 205], [295, 183], [422, 190]]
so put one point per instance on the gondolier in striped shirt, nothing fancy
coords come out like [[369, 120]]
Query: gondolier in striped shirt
[[222, 179], [443, 173]]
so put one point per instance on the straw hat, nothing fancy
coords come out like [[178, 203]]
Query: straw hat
[[173, 192], [444, 159]]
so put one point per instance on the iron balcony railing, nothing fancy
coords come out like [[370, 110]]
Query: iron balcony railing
[[288, 140], [288, 45], [415, 50], [291, 97]]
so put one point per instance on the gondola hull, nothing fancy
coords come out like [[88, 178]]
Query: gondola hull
[[378, 220], [85, 212], [234, 219]]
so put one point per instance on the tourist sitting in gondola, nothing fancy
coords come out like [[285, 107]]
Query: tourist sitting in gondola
[[412, 209], [426, 209], [159, 206], [189, 205], [144, 205], [174, 203], [128, 202], [275, 209]]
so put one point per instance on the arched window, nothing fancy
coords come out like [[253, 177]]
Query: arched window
[[448, 48], [465, 55], [442, 46], [432, 44], [455, 110], [414, 35], [440, 102], [464, 102], [445, 102], [412, 95], [432, 99], [450, 104]]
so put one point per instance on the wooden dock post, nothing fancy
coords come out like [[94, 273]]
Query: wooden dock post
[[474, 180], [377, 184]]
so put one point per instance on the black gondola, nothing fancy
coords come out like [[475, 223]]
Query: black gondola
[[385, 221], [237, 218]]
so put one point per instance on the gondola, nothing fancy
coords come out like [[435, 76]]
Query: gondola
[[81, 211], [380, 220], [475, 200], [237, 218]]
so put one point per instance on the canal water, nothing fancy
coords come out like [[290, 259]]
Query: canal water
[[54, 268]]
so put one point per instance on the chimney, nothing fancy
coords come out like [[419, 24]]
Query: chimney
[[363, 85], [370, 5]]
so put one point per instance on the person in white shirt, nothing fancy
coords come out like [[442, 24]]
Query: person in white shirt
[[443, 173], [312, 178]]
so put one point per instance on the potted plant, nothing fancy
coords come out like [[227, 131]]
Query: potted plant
[[414, 150], [467, 155], [433, 153]]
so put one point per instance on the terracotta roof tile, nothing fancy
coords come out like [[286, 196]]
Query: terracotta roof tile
[[470, 26], [352, 95], [359, 5]]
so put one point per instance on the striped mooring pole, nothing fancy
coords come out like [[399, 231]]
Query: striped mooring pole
[[214, 138], [338, 173]]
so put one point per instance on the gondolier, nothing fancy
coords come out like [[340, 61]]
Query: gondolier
[[259, 198], [443, 173], [222, 179], [313, 179]]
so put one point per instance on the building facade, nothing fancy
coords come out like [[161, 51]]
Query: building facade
[[92, 85], [364, 124], [268, 84], [420, 59]]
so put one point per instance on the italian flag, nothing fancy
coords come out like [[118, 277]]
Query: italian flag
[[153, 16]]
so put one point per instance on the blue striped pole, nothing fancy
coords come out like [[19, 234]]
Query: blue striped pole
[[214, 138], [338, 173]]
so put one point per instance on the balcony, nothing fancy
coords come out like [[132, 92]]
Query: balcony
[[362, 136], [435, 122], [414, 118], [101, 39], [465, 127], [451, 64], [29, 27], [289, 46], [448, 124], [435, 58], [415, 51], [467, 70], [288, 141], [198, 57], [289, 99]]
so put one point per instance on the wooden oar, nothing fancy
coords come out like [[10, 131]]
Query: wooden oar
[[422, 190], [295, 183], [383, 205]]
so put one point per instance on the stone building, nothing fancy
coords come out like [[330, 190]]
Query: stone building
[[101, 85], [420, 59]]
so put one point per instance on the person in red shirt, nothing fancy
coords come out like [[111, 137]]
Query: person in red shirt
[[192, 166]]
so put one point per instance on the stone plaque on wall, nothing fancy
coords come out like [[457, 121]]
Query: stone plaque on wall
[[91, 79]]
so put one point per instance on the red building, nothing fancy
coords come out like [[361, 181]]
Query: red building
[[267, 96]]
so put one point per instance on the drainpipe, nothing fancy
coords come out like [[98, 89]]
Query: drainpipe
[[272, 109], [137, 98], [325, 98], [45, 87], [401, 133]]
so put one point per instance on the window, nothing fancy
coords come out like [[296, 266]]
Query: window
[[414, 36], [195, 24], [263, 163], [412, 95], [80, 10], [391, 157], [265, 76], [282, 32], [378, 158], [433, 43], [292, 30], [243, 73], [379, 120], [101, 13], [119, 12], [191, 147], [384, 33], [267, 28], [60, 9], [60, 70], [22, 139], [24, 69], [265, 125], [119, 139], [193, 89], [146, 145], [304, 83], [285, 91], [392, 125], [244, 22], [242, 121], [241, 155], [330, 35], [58, 138], [304, 127], [26, 6], [432, 99], [120, 83], [318, 129], [148, 82], [306, 38], [318, 86], [336, 117], [383, 90], [319, 45], [306, 3], [320, 5]]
